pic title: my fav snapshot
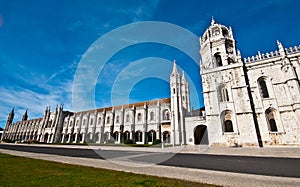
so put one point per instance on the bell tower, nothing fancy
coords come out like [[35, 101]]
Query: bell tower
[[218, 47], [225, 93]]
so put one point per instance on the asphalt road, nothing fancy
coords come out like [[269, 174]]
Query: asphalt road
[[285, 167]]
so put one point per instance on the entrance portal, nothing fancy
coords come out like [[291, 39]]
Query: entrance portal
[[46, 138], [200, 135]]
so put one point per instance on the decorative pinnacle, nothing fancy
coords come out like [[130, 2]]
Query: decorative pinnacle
[[183, 77], [175, 71], [280, 47], [212, 21]]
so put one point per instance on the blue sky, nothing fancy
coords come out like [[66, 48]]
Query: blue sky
[[42, 43]]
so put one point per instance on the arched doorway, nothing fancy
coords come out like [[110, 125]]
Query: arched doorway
[[46, 138], [166, 136], [151, 135], [200, 135]]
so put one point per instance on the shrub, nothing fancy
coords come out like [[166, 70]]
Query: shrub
[[90, 141], [8, 141], [110, 141], [128, 141], [155, 142]]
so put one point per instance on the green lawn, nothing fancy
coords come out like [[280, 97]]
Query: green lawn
[[19, 171]]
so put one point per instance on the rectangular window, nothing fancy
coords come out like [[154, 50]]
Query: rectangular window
[[224, 95]]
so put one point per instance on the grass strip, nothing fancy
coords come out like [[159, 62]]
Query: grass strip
[[20, 171]]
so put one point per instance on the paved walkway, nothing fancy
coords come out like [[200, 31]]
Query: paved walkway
[[197, 175]]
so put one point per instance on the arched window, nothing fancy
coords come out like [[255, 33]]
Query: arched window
[[50, 123], [97, 137], [121, 128], [91, 121], [151, 116], [230, 61], [228, 126], [263, 88], [90, 136], [118, 119], [227, 121], [127, 118], [99, 120], [229, 47], [126, 135], [73, 137], [116, 136], [139, 117], [108, 120], [224, 32], [271, 114], [166, 114], [218, 59], [80, 137], [106, 136]]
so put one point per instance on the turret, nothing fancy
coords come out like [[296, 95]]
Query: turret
[[25, 116], [289, 74], [177, 122]]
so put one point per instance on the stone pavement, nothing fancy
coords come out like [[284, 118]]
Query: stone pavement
[[197, 175]]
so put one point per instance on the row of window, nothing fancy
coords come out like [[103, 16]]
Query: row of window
[[166, 116], [270, 117], [138, 136], [218, 60], [224, 96]]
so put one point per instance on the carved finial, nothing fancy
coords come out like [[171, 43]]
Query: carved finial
[[212, 21]]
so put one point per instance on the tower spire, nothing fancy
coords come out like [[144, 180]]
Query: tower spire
[[183, 77], [12, 110], [175, 71], [10, 117], [25, 116]]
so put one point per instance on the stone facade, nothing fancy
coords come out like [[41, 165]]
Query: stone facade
[[253, 101]]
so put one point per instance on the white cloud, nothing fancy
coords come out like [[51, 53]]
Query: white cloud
[[22, 99]]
